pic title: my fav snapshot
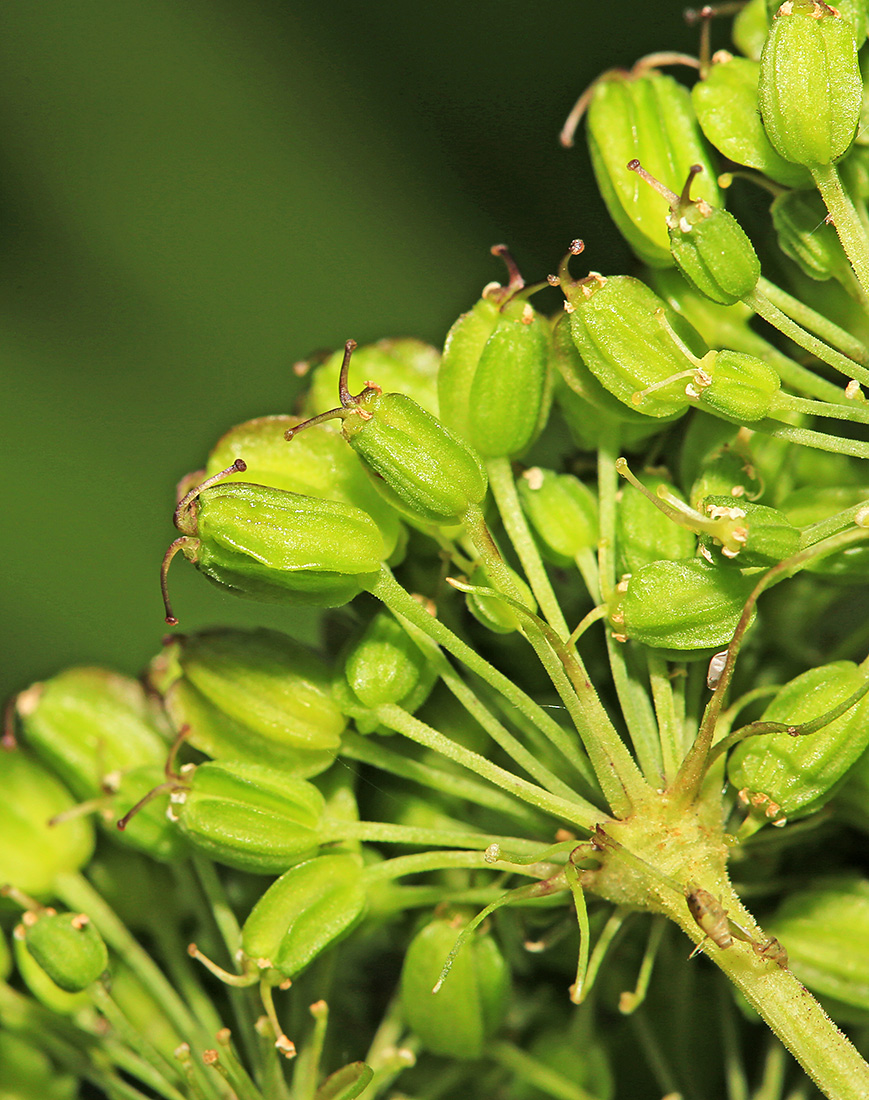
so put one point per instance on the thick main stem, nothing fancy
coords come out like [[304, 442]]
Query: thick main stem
[[825, 1053]]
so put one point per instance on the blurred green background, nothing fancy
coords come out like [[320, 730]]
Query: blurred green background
[[197, 193]]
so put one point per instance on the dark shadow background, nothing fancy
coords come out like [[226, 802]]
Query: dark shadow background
[[195, 195]]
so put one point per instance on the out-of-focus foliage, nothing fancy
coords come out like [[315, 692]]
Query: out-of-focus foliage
[[196, 195]]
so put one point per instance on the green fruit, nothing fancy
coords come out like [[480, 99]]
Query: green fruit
[[645, 116], [784, 776], [67, 946], [687, 604], [249, 816], [810, 90], [493, 385], [472, 1001], [304, 912], [251, 695]]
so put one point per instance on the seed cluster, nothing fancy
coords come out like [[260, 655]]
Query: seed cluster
[[550, 714]]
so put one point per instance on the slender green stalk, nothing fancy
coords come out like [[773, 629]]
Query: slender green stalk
[[807, 437], [775, 1067], [386, 832], [815, 322], [633, 698], [576, 812], [734, 1064], [832, 525], [658, 1061], [845, 218], [306, 1071], [577, 707], [540, 745], [230, 932], [775, 317], [69, 1048], [500, 734], [362, 749], [797, 377], [604, 941], [176, 962], [571, 875], [219, 906], [421, 862], [586, 563], [133, 1054], [388, 1055], [531, 1071], [856, 412], [665, 712], [620, 786], [396, 899], [616, 771], [630, 1001], [510, 507], [390, 592], [231, 1069]]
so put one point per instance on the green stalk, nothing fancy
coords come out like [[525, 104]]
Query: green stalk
[[616, 771], [604, 941], [176, 962], [586, 563], [734, 1063], [633, 698], [576, 812], [815, 322], [631, 1000], [797, 377], [563, 740], [832, 525], [232, 1071], [855, 412], [775, 317], [531, 1071], [499, 733], [422, 862], [807, 437], [68, 1046], [665, 712], [386, 832], [306, 1071], [510, 508], [132, 1053], [824, 1052], [362, 749], [401, 603], [775, 1068], [396, 899], [390, 592], [845, 218], [230, 932]]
